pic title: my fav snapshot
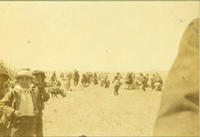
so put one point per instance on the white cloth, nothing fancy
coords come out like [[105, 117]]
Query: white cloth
[[26, 107]]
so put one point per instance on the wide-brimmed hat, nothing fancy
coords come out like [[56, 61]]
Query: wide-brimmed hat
[[36, 72], [24, 73]]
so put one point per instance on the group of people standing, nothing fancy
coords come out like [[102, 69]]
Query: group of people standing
[[130, 81], [21, 107], [144, 81]]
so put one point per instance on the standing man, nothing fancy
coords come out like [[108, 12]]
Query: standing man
[[3, 90], [95, 78], [76, 77], [144, 82], [68, 81], [19, 105], [42, 96], [116, 86]]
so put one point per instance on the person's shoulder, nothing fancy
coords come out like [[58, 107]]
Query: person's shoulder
[[11, 91]]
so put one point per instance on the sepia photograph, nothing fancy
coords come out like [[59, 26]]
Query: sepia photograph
[[99, 68]]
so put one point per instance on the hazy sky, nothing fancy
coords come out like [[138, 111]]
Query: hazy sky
[[107, 36]]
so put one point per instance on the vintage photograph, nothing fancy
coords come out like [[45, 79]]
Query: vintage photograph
[[99, 68]]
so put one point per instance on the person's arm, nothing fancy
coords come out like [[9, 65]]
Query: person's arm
[[45, 96], [6, 104], [114, 80], [179, 109]]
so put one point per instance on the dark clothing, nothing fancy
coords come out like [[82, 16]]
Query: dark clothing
[[144, 83], [11, 100], [19, 126], [116, 87], [4, 131], [42, 97], [22, 126], [76, 78], [39, 125], [116, 91]]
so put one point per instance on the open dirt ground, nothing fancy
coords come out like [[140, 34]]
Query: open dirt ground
[[94, 111]]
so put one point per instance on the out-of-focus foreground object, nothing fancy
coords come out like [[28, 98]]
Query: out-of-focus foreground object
[[179, 109]]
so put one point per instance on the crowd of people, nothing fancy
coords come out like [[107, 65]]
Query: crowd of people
[[23, 95], [129, 81]]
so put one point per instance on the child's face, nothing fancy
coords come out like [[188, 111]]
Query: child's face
[[24, 82]]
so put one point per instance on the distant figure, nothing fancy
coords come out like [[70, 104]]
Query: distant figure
[[144, 82], [84, 80], [128, 81], [116, 86], [117, 76], [160, 81], [63, 82], [95, 78], [105, 82], [153, 81], [54, 81], [138, 81], [53, 77], [88, 79], [68, 81], [62, 75], [133, 86], [158, 86], [76, 77], [156, 82]]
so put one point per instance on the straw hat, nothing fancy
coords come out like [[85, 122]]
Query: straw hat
[[24, 73]]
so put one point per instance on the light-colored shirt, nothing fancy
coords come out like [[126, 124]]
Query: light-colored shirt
[[26, 107]]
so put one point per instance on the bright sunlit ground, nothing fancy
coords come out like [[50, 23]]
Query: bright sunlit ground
[[94, 111]]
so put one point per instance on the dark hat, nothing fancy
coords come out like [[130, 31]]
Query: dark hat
[[36, 72], [24, 73]]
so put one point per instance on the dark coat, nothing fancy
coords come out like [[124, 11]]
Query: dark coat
[[42, 95], [10, 103]]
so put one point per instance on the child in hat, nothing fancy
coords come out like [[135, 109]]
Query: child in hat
[[19, 105]]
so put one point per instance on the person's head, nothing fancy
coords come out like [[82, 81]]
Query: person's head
[[62, 75], [3, 77], [24, 78], [39, 75]]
